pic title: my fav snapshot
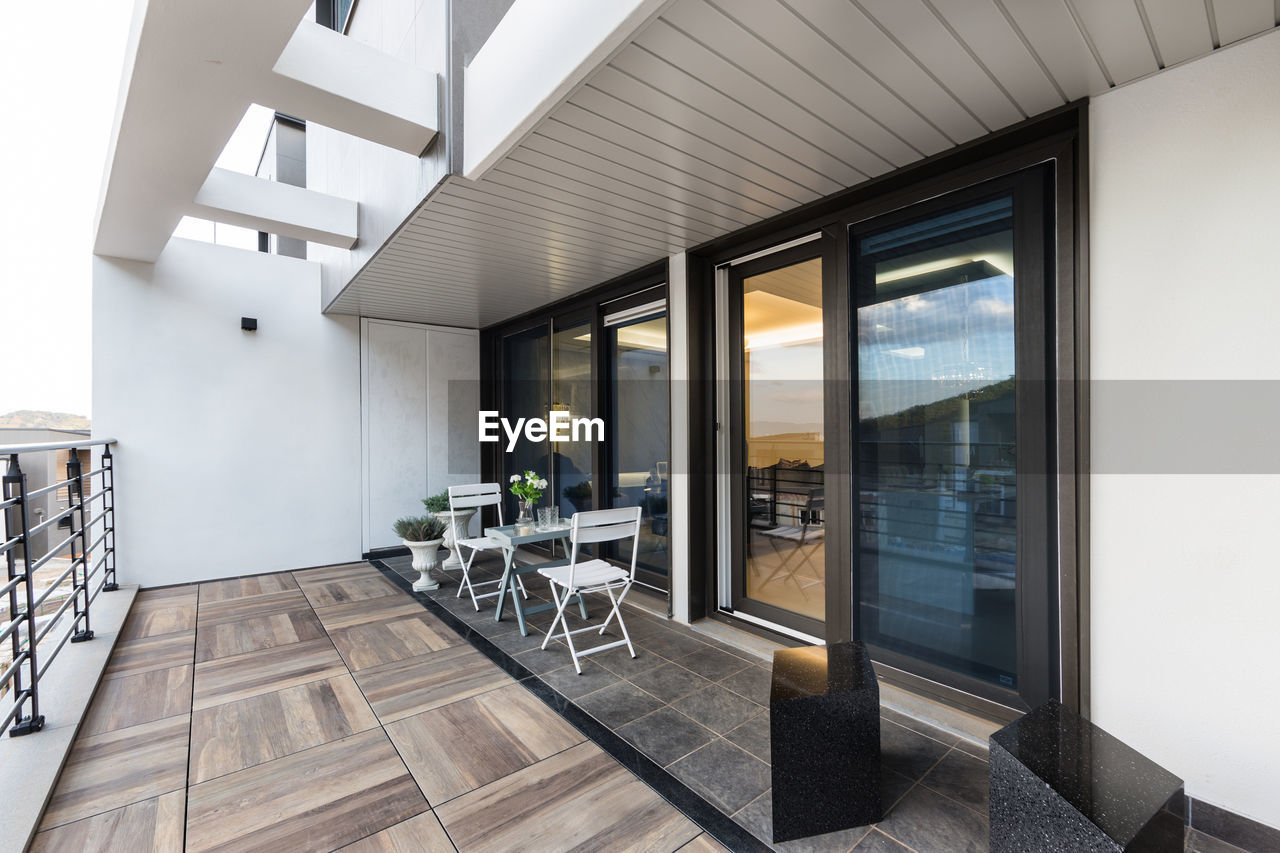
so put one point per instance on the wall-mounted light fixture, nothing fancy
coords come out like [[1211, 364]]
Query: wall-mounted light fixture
[[249, 324]]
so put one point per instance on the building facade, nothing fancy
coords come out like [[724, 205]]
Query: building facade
[[945, 326]]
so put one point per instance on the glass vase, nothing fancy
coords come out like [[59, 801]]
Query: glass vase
[[526, 512]]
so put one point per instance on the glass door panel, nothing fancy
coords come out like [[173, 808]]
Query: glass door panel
[[781, 511], [526, 393], [638, 451], [571, 391], [936, 443]]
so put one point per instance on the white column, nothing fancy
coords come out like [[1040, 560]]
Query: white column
[[678, 359]]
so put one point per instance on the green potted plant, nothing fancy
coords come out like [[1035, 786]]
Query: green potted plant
[[437, 503], [422, 535], [456, 527]]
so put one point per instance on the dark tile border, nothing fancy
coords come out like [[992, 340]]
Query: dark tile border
[[710, 819], [1243, 832]]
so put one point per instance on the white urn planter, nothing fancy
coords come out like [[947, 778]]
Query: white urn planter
[[426, 556], [459, 524]]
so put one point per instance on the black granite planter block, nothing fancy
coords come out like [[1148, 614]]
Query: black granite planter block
[[824, 729], [1058, 782]]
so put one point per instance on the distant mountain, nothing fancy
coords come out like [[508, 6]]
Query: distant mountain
[[26, 418]]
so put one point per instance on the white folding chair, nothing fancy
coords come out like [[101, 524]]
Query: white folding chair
[[576, 578], [478, 496]]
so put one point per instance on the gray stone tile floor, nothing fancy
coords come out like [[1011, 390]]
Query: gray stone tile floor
[[699, 708]]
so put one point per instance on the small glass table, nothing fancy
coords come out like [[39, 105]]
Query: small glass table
[[510, 540]]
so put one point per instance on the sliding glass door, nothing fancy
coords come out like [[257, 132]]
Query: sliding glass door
[[778, 497], [952, 554], [639, 419]]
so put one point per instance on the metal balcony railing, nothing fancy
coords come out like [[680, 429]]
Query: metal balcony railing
[[49, 595]]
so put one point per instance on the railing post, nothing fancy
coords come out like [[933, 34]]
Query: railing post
[[80, 579], [109, 520], [15, 486]]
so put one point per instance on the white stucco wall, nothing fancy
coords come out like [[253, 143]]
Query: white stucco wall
[[1185, 218], [387, 184], [239, 452], [420, 390]]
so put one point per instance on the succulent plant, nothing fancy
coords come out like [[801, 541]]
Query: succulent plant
[[422, 528]]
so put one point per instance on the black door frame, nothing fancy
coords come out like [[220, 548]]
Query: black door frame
[[646, 284], [1037, 665], [737, 451], [1055, 141]]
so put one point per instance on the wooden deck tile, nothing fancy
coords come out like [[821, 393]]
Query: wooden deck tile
[[375, 643], [704, 844], [452, 749], [354, 613], [403, 688], [107, 771], [580, 799], [161, 611], [231, 737], [235, 609], [150, 826], [241, 676], [244, 587], [134, 699], [421, 834], [162, 651], [267, 631], [319, 799], [343, 584]]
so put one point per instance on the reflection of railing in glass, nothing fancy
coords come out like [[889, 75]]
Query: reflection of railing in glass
[[936, 467]]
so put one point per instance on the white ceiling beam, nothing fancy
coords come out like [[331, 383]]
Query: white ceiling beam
[[188, 82], [341, 83], [538, 55], [193, 69], [276, 208]]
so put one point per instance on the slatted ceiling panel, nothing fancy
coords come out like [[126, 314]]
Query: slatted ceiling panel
[[697, 73], [860, 38], [1239, 19], [731, 144], [541, 151], [639, 130], [766, 65], [993, 42], [556, 213], [1053, 34], [926, 38], [732, 116], [838, 72], [1119, 36], [524, 164], [722, 113], [680, 232], [1181, 28], [504, 224]]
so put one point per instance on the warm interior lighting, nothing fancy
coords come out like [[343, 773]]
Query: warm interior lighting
[[1001, 262], [781, 337]]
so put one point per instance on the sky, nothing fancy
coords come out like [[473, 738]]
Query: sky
[[62, 66]]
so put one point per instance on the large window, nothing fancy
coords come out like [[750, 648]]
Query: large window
[[597, 357]]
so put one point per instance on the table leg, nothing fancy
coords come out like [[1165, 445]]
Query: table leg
[[508, 558]]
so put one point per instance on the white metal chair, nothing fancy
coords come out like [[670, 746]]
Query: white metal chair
[[576, 578], [477, 496]]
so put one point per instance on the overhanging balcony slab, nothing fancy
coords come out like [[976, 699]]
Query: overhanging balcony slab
[[277, 208]]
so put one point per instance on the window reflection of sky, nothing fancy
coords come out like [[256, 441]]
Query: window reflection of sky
[[930, 346]]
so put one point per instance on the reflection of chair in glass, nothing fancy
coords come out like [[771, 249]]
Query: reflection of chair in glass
[[477, 496], [576, 578], [795, 544]]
